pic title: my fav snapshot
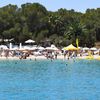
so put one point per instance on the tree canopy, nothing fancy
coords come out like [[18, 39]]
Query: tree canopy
[[62, 27]]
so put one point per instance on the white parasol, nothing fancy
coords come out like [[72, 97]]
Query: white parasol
[[3, 47], [29, 41]]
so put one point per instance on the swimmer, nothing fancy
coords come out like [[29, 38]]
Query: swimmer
[[15, 62], [35, 59]]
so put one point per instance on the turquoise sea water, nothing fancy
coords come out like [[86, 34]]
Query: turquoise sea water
[[46, 80]]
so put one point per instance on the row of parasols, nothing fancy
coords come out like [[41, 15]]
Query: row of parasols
[[20, 47], [53, 47]]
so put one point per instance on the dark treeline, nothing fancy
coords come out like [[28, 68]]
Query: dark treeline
[[33, 21]]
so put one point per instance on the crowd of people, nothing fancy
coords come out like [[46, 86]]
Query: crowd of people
[[48, 54]]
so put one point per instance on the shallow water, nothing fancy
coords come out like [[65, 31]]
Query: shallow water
[[46, 80]]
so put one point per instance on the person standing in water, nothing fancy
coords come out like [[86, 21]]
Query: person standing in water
[[55, 55]]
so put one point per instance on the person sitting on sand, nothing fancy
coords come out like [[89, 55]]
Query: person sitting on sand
[[6, 53]]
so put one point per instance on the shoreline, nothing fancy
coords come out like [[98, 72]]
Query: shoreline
[[59, 57]]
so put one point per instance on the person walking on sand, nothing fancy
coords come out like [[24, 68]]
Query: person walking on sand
[[55, 55], [64, 54]]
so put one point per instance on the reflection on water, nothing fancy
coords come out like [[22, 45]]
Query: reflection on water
[[46, 80]]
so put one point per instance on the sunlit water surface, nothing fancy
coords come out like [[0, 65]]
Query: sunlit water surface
[[46, 80]]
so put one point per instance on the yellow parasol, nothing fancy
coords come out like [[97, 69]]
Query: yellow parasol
[[70, 47]]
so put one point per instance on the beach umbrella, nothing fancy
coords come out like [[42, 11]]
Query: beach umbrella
[[85, 48], [29, 41], [94, 49], [70, 47], [26, 48], [52, 48], [3, 47], [55, 48], [29, 48], [41, 48], [48, 48], [33, 48]]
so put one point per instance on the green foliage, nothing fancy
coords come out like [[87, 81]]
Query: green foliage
[[33, 21]]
